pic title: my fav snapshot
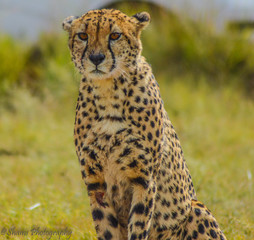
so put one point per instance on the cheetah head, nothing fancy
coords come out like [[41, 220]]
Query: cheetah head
[[105, 43]]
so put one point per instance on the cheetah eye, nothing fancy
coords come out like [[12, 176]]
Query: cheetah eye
[[114, 36], [83, 36]]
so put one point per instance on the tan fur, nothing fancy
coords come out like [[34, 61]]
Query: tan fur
[[130, 156]]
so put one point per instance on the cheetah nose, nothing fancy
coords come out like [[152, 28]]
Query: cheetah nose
[[96, 59]]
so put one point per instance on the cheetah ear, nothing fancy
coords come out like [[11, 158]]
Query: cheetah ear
[[141, 19], [67, 23]]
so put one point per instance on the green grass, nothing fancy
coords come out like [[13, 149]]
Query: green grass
[[38, 163]]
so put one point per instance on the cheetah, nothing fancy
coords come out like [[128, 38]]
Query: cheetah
[[130, 156]]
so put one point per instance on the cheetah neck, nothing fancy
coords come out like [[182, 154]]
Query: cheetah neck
[[116, 90], [108, 101]]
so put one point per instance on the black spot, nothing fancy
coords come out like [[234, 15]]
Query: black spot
[[141, 181], [184, 233], [93, 186], [213, 233], [107, 136], [89, 89], [166, 216], [150, 203], [190, 219], [93, 155], [102, 107], [206, 223], [201, 228], [174, 215], [85, 149], [140, 224], [137, 99], [121, 130], [114, 188], [131, 109], [145, 101], [112, 221], [133, 236], [130, 93], [122, 80], [215, 224], [125, 152], [116, 106], [150, 136], [84, 114], [200, 205], [138, 208], [133, 164], [91, 171], [140, 109], [142, 89], [197, 212], [107, 235], [157, 133], [182, 211], [189, 238], [97, 214], [137, 124], [195, 234]]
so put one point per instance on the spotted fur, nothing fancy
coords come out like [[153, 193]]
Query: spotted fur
[[130, 156]]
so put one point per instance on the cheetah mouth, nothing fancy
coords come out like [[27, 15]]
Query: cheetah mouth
[[97, 71]]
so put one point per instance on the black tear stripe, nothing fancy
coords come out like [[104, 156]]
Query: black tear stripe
[[113, 57], [83, 54]]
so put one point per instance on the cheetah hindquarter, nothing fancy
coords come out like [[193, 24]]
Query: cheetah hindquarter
[[131, 160]]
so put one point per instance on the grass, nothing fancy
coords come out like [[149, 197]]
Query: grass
[[38, 163]]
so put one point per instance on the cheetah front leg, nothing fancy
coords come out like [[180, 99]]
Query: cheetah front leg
[[141, 209], [106, 223], [104, 216]]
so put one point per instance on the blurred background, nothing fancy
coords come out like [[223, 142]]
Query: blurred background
[[202, 55]]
